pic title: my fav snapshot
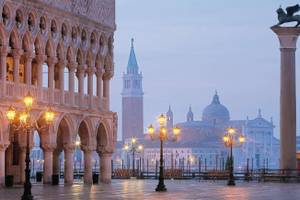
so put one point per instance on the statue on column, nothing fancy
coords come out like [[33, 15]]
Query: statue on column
[[289, 15]]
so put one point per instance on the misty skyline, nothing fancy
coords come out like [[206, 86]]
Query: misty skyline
[[188, 49]]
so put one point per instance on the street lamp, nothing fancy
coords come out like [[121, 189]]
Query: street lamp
[[133, 147], [24, 122], [231, 139], [162, 135]]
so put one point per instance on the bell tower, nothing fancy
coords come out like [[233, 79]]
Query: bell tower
[[132, 99]]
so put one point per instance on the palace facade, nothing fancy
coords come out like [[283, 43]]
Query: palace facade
[[62, 53]]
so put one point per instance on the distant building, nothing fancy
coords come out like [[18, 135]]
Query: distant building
[[132, 99]]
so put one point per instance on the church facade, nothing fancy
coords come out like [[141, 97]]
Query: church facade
[[63, 56]]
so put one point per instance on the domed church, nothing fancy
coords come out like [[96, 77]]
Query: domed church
[[205, 137]]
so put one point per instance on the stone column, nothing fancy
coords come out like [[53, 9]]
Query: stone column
[[90, 71], [40, 59], [88, 165], [105, 167], [28, 64], [69, 168], [80, 75], [56, 162], [72, 67], [2, 164], [287, 37], [61, 65], [48, 162], [16, 62], [51, 63], [3, 55], [99, 83]]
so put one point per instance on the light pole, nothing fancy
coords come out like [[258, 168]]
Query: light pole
[[231, 139], [24, 122], [162, 135], [134, 148]]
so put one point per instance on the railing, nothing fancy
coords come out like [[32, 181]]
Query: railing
[[44, 95]]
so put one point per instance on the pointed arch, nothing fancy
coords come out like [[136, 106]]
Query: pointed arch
[[79, 57], [3, 38], [49, 48], [85, 130], [70, 54], [60, 54], [38, 45], [27, 42], [90, 59], [14, 39]]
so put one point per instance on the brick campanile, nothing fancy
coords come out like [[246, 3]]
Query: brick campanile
[[132, 100]]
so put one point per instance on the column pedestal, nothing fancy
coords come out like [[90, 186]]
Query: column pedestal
[[288, 38], [2, 164]]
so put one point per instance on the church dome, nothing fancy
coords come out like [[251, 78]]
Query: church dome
[[215, 113]]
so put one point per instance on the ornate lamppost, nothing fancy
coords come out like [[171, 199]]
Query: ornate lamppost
[[134, 148], [232, 139], [23, 121], [162, 135]]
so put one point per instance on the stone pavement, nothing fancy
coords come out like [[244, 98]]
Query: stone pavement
[[144, 189]]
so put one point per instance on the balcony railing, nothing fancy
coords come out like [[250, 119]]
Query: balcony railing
[[44, 95]]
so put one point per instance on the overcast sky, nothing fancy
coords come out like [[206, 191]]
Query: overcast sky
[[188, 49]]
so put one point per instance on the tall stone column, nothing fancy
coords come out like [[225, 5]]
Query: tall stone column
[[48, 162], [40, 59], [80, 75], [61, 65], [287, 38], [88, 167], [105, 167], [56, 162], [72, 67], [99, 83], [28, 64], [2, 163], [51, 63], [90, 71], [16, 63], [69, 168], [3, 55]]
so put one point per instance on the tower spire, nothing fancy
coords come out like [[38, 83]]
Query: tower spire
[[132, 66]]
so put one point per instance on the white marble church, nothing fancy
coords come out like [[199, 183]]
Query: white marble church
[[201, 139]]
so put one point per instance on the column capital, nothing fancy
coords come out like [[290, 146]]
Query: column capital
[[91, 70], [51, 61], [72, 66], [87, 149], [28, 55], [49, 147], [62, 63], [69, 148], [287, 36], [17, 53], [3, 147], [101, 150], [99, 72], [4, 51], [40, 58]]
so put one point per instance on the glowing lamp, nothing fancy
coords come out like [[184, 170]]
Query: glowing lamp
[[133, 140], [151, 129], [49, 116], [28, 100], [162, 119], [242, 139], [11, 114], [23, 117], [176, 130], [126, 147], [231, 131], [140, 147], [226, 138]]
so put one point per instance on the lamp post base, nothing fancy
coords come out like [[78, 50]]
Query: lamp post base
[[161, 188], [231, 182]]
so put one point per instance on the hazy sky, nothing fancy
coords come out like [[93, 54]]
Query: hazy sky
[[187, 49]]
